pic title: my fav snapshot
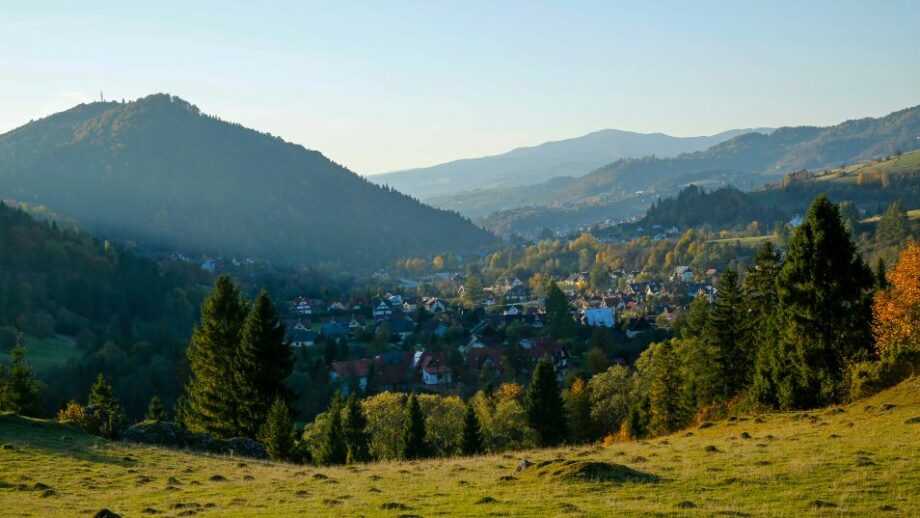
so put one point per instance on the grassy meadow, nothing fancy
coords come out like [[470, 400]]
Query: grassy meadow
[[861, 459]]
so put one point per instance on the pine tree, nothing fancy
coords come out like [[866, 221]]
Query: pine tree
[[413, 433], [762, 299], [824, 310], [545, 408], [667, 412], [560, 323], [893, 227], [472, 433], [727, 330], [881, 276], [332, 448], [19, 390], [155, 411], [354, 426], [211, 402], [277, 434], [260, 366]]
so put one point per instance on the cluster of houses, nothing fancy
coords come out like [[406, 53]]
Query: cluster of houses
[[641, 305]]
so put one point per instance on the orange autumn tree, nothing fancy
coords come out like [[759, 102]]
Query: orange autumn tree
[[897, 309]]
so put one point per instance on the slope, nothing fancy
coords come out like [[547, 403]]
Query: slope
[[529, 165], [860, 459], [159, 172]]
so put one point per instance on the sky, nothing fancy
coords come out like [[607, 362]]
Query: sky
[[381, 86]]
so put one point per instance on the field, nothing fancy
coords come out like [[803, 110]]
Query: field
[[862, 459], [44, 353], [908, 163], [751, 241]]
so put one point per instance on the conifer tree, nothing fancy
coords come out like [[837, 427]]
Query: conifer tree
[[277, 433], [260, 366], [155, 411], [354, 426], [666, 412], [413, 433], [211, 402], [560, 323], [881, 276], [544, 405], [762, 299], [824, 310], [472, 433], [332, 448], [103, 397], [727, 330], [19, 390]]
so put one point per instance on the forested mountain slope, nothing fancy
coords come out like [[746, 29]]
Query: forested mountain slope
[[159, 172]]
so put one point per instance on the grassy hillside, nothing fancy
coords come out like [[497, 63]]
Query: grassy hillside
[[861, 459], [44, 353]]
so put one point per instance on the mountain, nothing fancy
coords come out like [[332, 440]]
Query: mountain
[[529, 165], [746, 161], [160, 172]]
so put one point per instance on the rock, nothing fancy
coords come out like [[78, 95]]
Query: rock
[[8, 447], [105, 513], [523, 465]]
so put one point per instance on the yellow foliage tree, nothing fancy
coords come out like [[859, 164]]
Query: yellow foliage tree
[[897, 309]]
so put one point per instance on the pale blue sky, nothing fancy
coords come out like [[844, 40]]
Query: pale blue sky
[[379, 86]]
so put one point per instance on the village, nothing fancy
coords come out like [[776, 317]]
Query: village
[[447, 341]]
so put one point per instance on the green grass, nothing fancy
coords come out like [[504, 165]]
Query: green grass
[[44, 353], [911, 214], [908, 163], [862, 459]]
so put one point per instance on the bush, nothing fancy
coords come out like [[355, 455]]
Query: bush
[[868, 377], [93, 419]]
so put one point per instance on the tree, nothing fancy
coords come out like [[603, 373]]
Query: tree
[[611, 396], [693, 323], [578, 409], [155, 411], [354, 429], [332, 448], [472, 292], [727, 330], [893, 226], [472, 433], [414, 430], [103, 398], [212, 408], [762, 298], [667, 412], [260, 365], [881, 278], [824, 312], [897, 309], [560, 323], [19, 390], [545, 408], [277, 433]]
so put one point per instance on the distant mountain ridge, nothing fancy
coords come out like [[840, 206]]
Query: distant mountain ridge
[[530, 165], [160, 172], [747, 161]]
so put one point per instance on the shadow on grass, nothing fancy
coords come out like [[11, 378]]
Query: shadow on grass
[[56, 439]]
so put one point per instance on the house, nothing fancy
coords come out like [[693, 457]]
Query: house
[[334, 329], [599, 317], [336, 305], [433, 368], [382, 309], [209, 266], [350, 374], [400, 326], [490, 299], [299, 334], [394, 370], [517, 294], [637, 326], [410, 304], [354, 325], [435, 305], [682, 274], [301, 306]]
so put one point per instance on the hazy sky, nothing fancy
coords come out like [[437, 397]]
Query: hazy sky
[[379, 86]]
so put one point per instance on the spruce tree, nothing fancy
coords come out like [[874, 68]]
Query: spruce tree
[[881, 275], [211, 401], [762, 299], [331, 448], [103, 398], [354, 425], [472, 433], [19, 390], [545, 408], [560, 323], [727, 330], [824, 310], [155, 411], [667, 411], [261, 364], [277, 433], [413, 432]]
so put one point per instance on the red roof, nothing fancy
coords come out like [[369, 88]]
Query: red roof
[[353, 368], [434, 363]]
